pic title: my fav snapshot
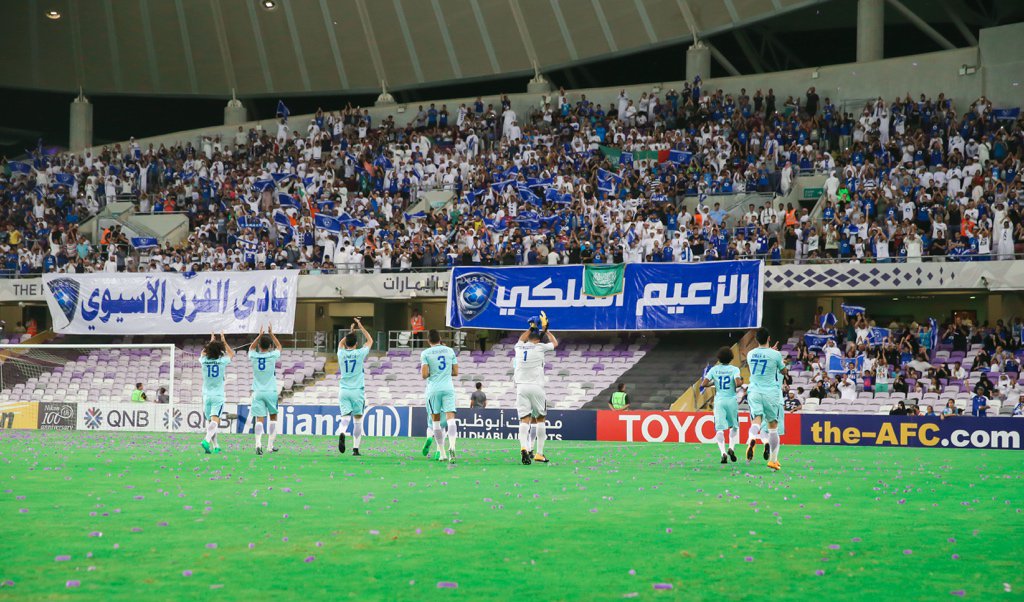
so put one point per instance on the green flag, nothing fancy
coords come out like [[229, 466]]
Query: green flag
[[600, 280]]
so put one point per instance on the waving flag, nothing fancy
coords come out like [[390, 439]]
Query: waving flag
[[626, 158], [326, 222], [679, 157], [282, 220], [499, 187], [64, 179], [144, 242], [828, 320], [286, 200], [281, 176], [841, 365], [878, 335], [282, 111], [852, 310], [411, 216], [528, 196], [250, 222], [20, 167], [262, 185], [817, 341]]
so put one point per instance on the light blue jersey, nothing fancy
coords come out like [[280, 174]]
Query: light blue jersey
[[724, 377], [214, 372], [765, 365], [264, 364], [440, 359], [350, 366]]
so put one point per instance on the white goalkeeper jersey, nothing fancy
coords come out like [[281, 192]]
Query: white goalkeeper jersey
[[529, 362]]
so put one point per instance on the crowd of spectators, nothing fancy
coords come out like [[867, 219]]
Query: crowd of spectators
[[571, 182], [921, 362]]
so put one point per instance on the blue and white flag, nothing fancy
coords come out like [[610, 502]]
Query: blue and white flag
[[326, 222], [934, 324], [250, 221], [853, 310], [877, 335], [412, 216], [64, 179], [817, 341], [286, 200], [626, 158], [841, 365], [282, 111], [281, 176], [828, 320], [20, 168], [498, 225], [1006, 114], [528, 196], [282, 220], [500, 187], [145, 242], [680, 157], [262, 185]]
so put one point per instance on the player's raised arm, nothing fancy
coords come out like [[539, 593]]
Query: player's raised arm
[[273, 337], [255, 342], [227, 348], [554, 341], [366, 334]]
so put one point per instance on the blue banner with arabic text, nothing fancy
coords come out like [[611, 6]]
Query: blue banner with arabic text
[[720, 295], [172, 303]]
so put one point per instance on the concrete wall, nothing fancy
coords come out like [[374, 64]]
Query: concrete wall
[[999, 59]]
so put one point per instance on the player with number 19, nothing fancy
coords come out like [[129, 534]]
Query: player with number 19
[[214, 361], [725, 378], [352, 393]]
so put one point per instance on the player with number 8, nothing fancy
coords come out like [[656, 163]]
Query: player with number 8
[[264, 352]]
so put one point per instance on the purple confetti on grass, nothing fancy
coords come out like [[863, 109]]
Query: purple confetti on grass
[[211, 546], [447, 584], [252, 546], [748, 559], [958, 592], [908, 552], [662, 586], [310, 559], [956, 557], [668, 530], [62, 558], [834, 546], [855, 540], [73, 583], [951, 540], [632, 571], [319, 544], [186, 573], [449, 531], [374, 532], [7, 583]]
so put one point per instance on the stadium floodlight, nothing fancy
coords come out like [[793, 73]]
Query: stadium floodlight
[[269, 4], [53, 14]]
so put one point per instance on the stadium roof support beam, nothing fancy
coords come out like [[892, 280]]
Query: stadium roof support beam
[[691, 21], [870, 30], [748, 50], [958, 22], [921, 24], [723, 61]]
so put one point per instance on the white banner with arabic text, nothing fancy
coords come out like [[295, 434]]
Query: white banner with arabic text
[[172, 303]]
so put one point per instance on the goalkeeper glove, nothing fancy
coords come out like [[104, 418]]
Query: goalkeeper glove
[[543, 321]]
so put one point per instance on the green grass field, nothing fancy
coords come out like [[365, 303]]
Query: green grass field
[[149, 516]]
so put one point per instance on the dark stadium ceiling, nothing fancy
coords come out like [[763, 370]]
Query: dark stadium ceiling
[[264, 48], [301, 47]]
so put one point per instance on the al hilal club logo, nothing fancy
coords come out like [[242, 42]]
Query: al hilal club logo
[[93, 418], [473, 293], [65, 292]]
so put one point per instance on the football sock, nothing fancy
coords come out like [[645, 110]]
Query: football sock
[[211, 430], [541, 428], [734, 436], [259, 433], [720, 440], [357, 432], [533, 436], [773, 441], [755, 429], [453, 432], [274, 427], [345, 420], [439, 438], [524, 435]]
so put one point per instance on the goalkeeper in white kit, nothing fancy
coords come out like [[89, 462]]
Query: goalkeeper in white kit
[[531, 401]]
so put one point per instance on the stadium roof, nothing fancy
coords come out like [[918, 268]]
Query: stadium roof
[[301, 47]]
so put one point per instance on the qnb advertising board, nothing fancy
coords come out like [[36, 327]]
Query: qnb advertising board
[[171, 303], [643, 296]]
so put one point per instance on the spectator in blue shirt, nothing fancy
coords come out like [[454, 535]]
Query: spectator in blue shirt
[[979, 404]]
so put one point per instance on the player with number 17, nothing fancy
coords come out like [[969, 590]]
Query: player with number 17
[[352, 392]]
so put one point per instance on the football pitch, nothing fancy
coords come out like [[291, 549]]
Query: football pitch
[[107, 516]]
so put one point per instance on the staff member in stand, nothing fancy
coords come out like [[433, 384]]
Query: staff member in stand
[[620, 399], [416, 324]]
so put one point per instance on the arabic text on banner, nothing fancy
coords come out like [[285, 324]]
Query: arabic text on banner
[[171, 303], [669, 296]]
